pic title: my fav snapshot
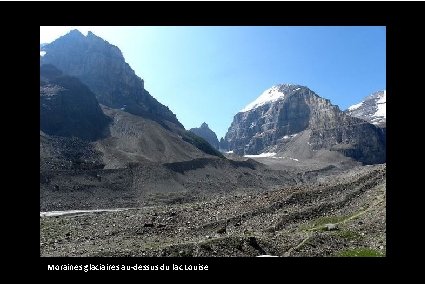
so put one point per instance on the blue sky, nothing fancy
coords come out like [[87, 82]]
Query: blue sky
[[210, 73]]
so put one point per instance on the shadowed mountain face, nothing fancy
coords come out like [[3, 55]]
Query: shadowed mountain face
[[205, 132], [274, 120], [68, 107], [102, 67]]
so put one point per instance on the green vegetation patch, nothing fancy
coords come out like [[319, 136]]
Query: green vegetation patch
[[360, 252], [349, 235], [328, 220]]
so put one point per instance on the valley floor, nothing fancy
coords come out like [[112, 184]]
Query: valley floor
[[340, 215]]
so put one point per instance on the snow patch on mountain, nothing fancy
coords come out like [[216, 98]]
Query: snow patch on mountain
[[372, 109], [382, 106], [356, 106], [290, 136], [269, 95]]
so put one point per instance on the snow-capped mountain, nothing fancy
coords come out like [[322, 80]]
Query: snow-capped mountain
[[270, 95], [372, 109], [291, 120]]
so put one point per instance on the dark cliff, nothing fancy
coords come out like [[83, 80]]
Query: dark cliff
[[68, 107]]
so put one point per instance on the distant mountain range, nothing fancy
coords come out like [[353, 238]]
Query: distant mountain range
[[132, 181], [291, 120], [86, 84]]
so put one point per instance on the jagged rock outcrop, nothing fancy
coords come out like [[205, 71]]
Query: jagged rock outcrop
[[102, 67], [371, 109], [205, 132], [68, 108], [273, 120]]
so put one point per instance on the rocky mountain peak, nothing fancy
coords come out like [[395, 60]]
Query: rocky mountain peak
[[275, 93], [206, 133], [272, 122], [204, 125], [75, 33], [102, 67]]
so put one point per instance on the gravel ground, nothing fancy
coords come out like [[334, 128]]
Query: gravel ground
[[338, 215]]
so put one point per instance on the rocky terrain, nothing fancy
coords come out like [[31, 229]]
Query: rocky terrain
[[340, 215], [120, 176], [277, 119], [205, 132], [371, 109], [85, 186]]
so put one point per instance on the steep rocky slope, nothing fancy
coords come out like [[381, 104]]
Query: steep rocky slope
[[68, 107], [102, 67], [205, 132], [135, 139], [371, 109], [292, 118]]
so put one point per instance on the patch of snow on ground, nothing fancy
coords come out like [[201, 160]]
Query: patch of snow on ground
[[267, 255], [262, 155], [42, 53], [68, 212], [269, 95], [229, 152]]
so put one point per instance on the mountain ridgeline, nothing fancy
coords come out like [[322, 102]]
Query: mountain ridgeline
[[107, 81], [102, 67], [274, 120]]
